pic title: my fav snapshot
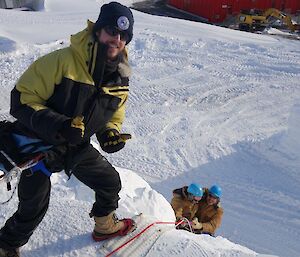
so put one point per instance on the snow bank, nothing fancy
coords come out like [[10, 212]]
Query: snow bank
[[283, 149], [136, 197], [7, 45], [71, 5], [66, 229]]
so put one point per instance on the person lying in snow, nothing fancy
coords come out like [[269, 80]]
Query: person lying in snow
[[63, 99], [198, 208]]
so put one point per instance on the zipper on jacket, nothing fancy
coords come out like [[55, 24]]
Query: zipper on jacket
[[92, 58]]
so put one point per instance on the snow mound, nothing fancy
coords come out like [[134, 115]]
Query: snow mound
[[70, 199], [138, 197]]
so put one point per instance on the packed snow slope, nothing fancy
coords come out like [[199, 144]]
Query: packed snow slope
[[207, 105]]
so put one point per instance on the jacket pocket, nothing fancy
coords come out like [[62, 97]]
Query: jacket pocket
[[100, 113]]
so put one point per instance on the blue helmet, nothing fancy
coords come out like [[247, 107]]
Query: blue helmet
[[216, 191], [195, 190]]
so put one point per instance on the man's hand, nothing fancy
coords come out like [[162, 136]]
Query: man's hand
[[73, 130], [196, 224], [112, 141]]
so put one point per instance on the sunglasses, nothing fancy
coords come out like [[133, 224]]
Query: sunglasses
[[113, 31]]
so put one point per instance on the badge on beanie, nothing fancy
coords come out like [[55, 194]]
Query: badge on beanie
[[123, 23]]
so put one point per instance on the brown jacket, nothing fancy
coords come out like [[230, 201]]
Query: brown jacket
[[209, 216], [181, 205]]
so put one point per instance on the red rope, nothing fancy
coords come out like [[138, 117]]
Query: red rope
[[137, 235]]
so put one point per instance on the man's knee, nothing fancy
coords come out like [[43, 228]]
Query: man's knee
[[115, 180]]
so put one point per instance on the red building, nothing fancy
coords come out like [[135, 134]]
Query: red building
[[217, 10]]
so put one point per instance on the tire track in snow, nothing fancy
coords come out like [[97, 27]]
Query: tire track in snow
[[207, 92]]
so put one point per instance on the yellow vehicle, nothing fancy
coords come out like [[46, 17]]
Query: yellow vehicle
[[255, 20]]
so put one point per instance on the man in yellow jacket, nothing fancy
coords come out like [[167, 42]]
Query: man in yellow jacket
[[198, 209], [63, 99]]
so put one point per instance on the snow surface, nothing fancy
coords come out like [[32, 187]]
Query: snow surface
[[207, 104]]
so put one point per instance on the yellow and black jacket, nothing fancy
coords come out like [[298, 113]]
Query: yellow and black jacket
[[70, 82]]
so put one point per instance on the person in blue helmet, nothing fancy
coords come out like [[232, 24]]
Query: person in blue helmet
[[208, 216], [185, 203]]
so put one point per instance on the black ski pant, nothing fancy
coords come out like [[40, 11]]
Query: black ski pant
[[89, 166]]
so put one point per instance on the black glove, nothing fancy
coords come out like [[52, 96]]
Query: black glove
[[73, 130], [112, 141]]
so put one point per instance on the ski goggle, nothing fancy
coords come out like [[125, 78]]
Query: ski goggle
[[113, 31]]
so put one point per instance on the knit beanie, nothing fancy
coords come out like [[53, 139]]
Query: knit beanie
[[116, 15]]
